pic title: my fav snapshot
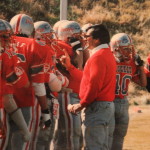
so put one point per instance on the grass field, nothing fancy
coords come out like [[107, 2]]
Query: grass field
[[138, 136]]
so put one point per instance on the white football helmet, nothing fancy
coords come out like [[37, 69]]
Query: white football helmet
[[122, 47], [57, 24], [68, 29], [22, 24], [43, 29], [5, 27], [5, 34]]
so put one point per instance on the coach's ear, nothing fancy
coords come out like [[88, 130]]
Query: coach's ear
[[96, 42]]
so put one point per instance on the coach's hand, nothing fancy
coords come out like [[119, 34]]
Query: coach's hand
[[75, 108]]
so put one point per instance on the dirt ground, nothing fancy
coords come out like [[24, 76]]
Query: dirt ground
[[138, 136]]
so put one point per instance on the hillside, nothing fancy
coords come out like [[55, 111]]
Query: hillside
[[125, 16], [131, 16]]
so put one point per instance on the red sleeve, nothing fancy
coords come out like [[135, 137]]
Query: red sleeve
[[75, 73], [41, 61]]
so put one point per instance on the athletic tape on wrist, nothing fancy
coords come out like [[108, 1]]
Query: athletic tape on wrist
[[45, 117]]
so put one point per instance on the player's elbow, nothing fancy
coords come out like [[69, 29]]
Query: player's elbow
[[55, 85]]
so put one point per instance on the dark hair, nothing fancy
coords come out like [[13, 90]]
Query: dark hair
[[100, 32]]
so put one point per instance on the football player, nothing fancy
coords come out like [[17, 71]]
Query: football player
[[70, 33], [129, 68], [44, 33], [11, 74], [35, 60]]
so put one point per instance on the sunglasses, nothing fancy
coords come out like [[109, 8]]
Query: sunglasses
[[86, 36]]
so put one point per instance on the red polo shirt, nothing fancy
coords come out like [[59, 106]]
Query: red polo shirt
[[99, 77]]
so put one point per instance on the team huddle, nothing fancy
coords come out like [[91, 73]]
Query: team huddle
[[65, 87]]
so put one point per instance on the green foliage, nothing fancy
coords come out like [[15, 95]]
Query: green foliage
[[37, 9], [9, 8], [117, 15]]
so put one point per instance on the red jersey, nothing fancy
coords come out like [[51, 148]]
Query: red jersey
[[38, 58], [35, 59], [11, 74], [99, 77], [125, 73]]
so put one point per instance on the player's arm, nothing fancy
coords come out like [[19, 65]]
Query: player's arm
[[16, 115], [142, 81], [13, 75], [57, 81], [142, 77], [40, 93]]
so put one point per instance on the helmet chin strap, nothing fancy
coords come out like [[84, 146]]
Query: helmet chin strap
[[121, 57], [117, 60], [118, 55]]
